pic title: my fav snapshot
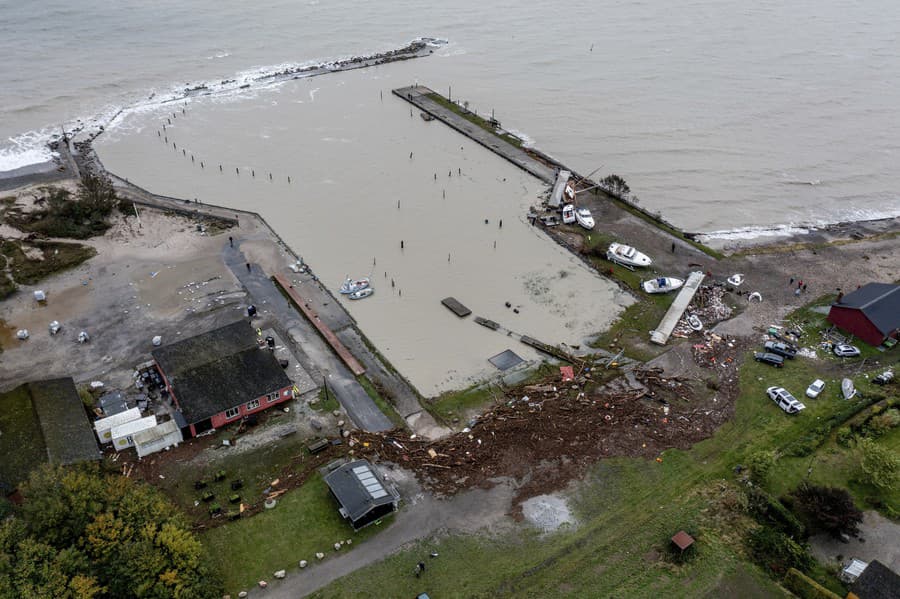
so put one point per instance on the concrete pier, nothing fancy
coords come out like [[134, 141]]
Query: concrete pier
[[661, 335]]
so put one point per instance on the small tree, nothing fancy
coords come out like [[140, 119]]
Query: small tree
[[761, 463], [616, 184], [880, 466], [827, 509]]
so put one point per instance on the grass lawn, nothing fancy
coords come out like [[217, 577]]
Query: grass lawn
[[21, 440], [304, 521], [475, 119], [628, 509], [386, 408], [56, 258]]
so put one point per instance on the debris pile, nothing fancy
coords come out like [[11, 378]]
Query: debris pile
[[708, 306], [550, 436]]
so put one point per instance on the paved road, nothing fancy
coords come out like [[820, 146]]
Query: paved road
[[467, 512], [351, 395]]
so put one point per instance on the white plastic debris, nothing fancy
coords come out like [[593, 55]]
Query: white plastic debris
[[22, 334], [83, 337], [303, 563], [280, 574], [40, 296], [756, 295], [320, 555], [55, 327], [96, 384], [157, 341]]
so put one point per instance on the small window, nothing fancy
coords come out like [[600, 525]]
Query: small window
[[272, 397], [229, 414], [252, 405]]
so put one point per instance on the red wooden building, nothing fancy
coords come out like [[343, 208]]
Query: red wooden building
[[871, 313], [220, 376]]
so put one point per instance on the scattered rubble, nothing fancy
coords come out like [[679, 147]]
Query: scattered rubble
[[708, 305]]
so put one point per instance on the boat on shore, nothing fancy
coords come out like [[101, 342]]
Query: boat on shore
[[626, 256], [568, 214], [695, 323], [584, 218], [848, 390], [361, 294], [352, 286], [662, 284]]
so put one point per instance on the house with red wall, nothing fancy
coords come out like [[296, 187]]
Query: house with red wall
[[221, 376], [871, 313]]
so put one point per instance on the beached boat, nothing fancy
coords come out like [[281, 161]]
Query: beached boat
[[847, 389], [662, 284], [568, 214], [736, 279], [361, 294], [626, 255], [584, 218], [351, 286], [570, 191], [695, 323]]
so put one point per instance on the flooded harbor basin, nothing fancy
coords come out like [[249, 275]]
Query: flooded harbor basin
[[359, 185]]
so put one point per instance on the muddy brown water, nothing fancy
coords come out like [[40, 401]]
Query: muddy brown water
[[377, 192]]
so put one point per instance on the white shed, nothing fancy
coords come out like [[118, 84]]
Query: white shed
[[123, 435], [104, 426], [161, 436]]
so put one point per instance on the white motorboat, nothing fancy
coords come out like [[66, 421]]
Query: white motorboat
[[584, 218], [351, 286], [362, 293], [626, 255], [570, 191], [695, 323], [662, 284], [568, 214], [847, 389], [736, 279]]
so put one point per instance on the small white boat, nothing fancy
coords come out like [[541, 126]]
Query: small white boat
[[695, 323], [847, 389], [736, 279], [362, 293], [584, 218], [568, 214], [570, 191], [626, 255], [351, 286], [662, 284]]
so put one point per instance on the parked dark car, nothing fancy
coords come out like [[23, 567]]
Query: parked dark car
[[781, 349], [767, 358]]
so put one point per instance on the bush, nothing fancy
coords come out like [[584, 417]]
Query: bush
[[805, 587], [879, 424], [761, 463], [845, 436], [768, 511], [70, 218], [777, 552], [880, 466], [827, 509]]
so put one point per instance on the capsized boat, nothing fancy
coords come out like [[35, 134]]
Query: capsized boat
[[662, 284], [584, 218], [736, 279], [351, 286], [626, 255], [847, 389], [362, 293], [568, 214], [695, 323]]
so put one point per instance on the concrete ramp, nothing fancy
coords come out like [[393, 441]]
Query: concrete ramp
[[661, 335]]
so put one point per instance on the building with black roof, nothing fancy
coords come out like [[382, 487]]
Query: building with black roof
[[871, 313], [222, 375], [362, 493], [43, 421], [877, 581]]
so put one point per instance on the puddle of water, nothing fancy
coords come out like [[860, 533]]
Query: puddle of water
[[377, 192]]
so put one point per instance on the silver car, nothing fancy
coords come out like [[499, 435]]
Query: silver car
[[815, 388], [843, 350], [785, 400]]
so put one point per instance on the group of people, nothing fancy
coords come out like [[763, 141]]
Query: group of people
[[801, 286]]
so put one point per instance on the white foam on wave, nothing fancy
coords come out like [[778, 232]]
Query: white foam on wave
[[527, 140], [26, 149]]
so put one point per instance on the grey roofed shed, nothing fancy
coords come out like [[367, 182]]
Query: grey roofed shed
[[880, 302], [68, 434], [361, 491]]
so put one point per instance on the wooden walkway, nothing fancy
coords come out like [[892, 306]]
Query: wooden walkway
[[661, 335], [352, 363]]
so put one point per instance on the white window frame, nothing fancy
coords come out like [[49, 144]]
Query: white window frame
[[272, 397], [232, 413], [252, 404]]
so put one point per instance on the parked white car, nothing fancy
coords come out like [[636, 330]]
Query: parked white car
[[844, 350], [785, 400], [815, 388]]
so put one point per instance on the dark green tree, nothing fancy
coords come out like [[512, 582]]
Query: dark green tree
[[827, 509]]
